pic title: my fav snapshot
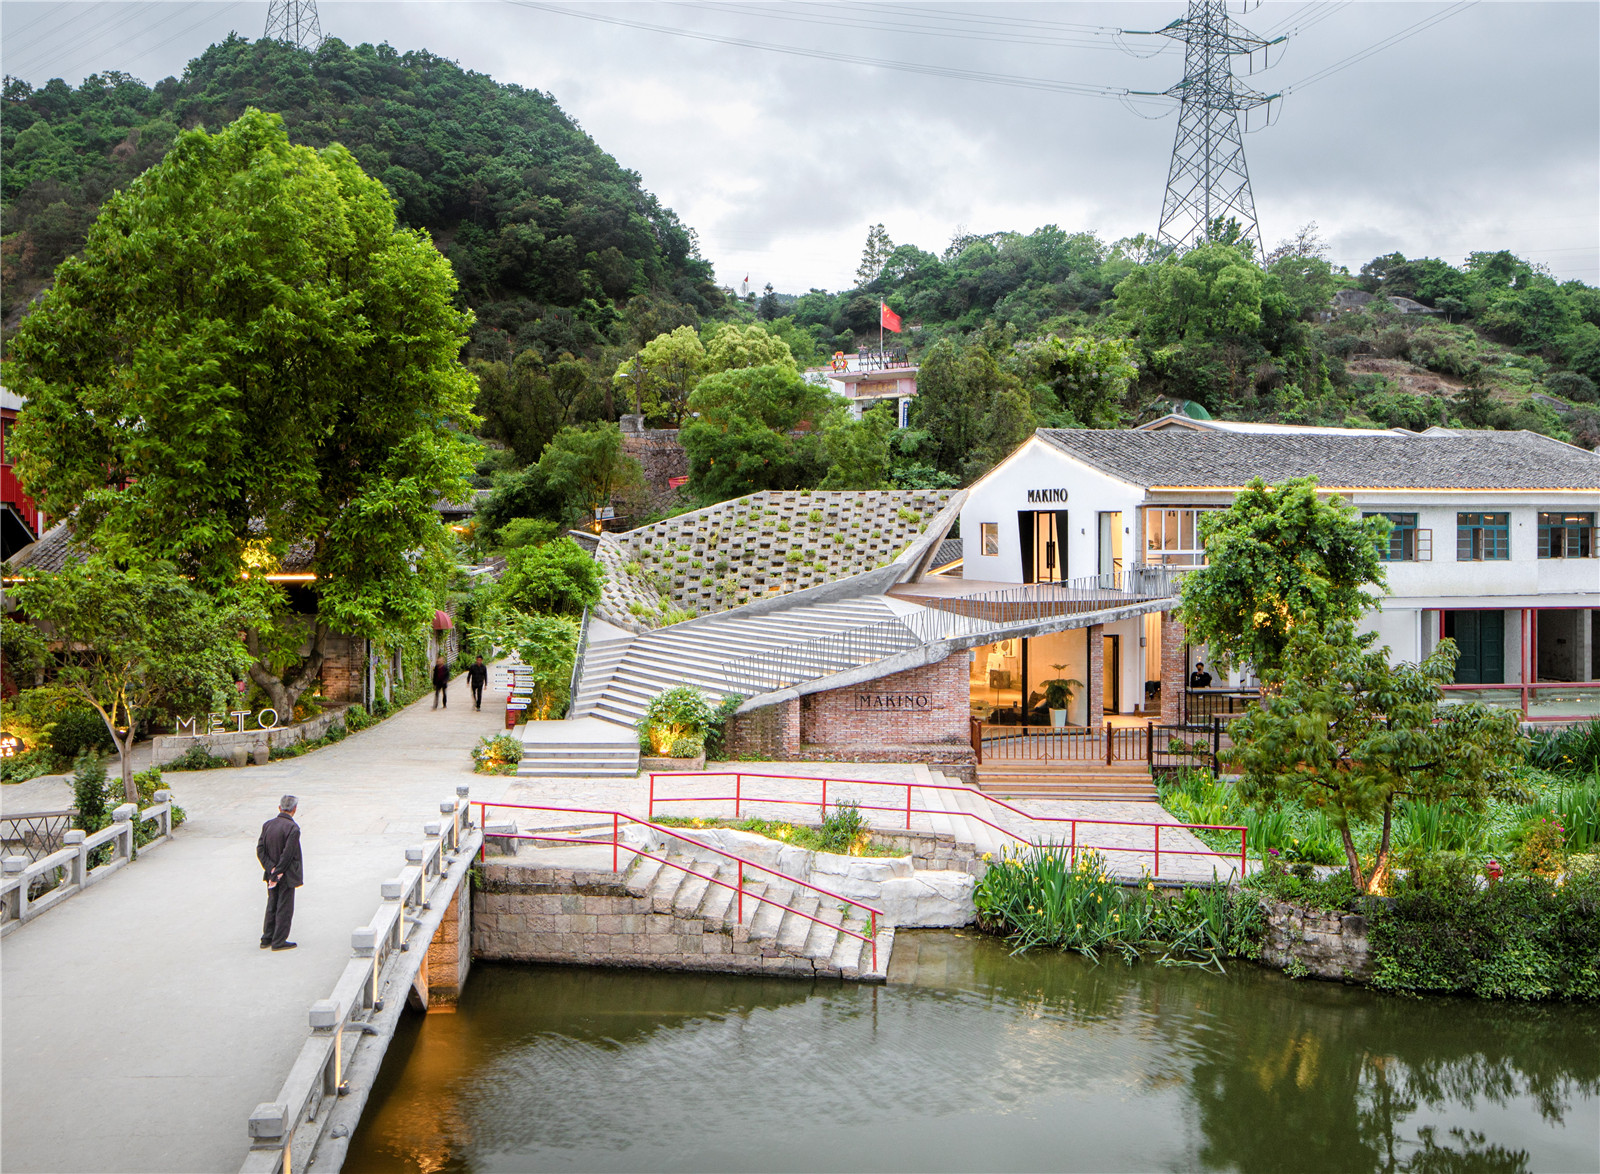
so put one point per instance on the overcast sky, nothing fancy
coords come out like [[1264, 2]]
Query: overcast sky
[[1480, 131]]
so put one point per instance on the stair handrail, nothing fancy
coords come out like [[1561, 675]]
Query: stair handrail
[[779, 667], [577, 662], [616, 846], [738, 798]]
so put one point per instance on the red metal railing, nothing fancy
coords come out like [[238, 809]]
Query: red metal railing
[[619, 818], [741, 797]]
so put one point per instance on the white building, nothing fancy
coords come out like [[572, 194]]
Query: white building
[[1494, 544]]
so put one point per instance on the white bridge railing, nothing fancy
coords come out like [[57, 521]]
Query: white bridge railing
[[71, 863], [387, 954]]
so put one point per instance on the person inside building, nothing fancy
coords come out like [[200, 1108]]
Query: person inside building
[[1199, 679]]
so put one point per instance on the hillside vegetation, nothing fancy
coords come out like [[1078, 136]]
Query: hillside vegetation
[[558, 248]]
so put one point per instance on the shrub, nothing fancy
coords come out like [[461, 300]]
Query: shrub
[[1574, 750], [680, 712], [357, 718], [1525, 938], [496, 754], [197, 757], [845, 831], [91, 792], [686, 747], [716, 731], [78, 730], [1578, 806], [1541, 846]]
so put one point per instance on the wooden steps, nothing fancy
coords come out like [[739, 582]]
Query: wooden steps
[[1126, 782]]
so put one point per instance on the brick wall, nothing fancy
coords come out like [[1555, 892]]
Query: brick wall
[[1174, 678], [344, 668], [1096, 681], [660, 456], [771, 732]]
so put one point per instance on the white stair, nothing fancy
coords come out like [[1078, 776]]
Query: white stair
[[775, 921], [578, 748]]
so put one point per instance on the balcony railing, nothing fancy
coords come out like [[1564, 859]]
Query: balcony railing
[[1545, 701], [1140, 583]]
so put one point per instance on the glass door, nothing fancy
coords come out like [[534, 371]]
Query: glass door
[[1049, 546]]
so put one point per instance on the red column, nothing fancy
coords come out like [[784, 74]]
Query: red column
[[1096, 675], [1172, 670]]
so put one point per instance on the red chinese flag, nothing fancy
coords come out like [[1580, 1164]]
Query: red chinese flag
[[888, 318]]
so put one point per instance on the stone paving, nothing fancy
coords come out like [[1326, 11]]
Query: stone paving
[[140, 1021], [145, 1006]]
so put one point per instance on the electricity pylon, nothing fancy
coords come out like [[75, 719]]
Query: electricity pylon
[[294, 21], [1208, 182]]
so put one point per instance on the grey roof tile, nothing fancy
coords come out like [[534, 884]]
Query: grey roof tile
[[1384, 460]]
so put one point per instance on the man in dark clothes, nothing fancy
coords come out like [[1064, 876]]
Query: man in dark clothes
[[477, 676], [279, 853], [1200, 679], [441, 682]]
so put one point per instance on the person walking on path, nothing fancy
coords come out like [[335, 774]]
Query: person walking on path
[[477, 677], [278, 849], [441, 682]]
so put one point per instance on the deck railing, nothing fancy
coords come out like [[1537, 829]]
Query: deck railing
[[35, 834], [621, 820], [1542, 701], [1158, 745], [763, 794], [1140, 583]]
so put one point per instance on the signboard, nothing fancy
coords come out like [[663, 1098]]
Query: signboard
[[212, 723], [606, 513], [901, 702], [1047, 495]]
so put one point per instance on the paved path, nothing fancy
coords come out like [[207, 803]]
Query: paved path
[[139, 1021]]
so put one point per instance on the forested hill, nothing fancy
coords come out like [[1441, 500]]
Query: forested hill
[[557, 247]]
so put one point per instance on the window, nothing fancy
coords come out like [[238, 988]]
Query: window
[[1566, 536], [1483, 537], [1172, 536], [1402, 546], [989, 533]]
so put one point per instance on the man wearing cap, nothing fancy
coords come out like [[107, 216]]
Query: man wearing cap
[[279, 853]]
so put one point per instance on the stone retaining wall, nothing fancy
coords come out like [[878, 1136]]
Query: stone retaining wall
[[1317, 943], [530, 914], [232, 744]]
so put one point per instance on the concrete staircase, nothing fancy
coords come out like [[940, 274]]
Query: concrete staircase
[[1126, 782], [960, 813], [621, 675], [771, 936], [581, 748]]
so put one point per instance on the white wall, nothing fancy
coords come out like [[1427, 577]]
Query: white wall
[[999, 496]]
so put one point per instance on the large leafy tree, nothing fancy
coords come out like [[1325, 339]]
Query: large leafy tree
[[971, 412], [128, 641], [660, 377], [1351, 735], [730, 346], [1280, 560], [248, 358], [757, 428]]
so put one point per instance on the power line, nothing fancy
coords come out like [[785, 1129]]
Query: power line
[[1013, 81], [1404, 34]]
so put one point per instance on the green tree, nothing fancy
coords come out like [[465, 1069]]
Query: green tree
[[731, 347], [1351, 735], [584, 465], [768, 308], [879, 248], [1280, 560], [544, 645], [859, 450], [1089, 376], [663, 373], [132, 641], [971, 411], [747, 434], [553, 578], [249, 356], [515, 404]]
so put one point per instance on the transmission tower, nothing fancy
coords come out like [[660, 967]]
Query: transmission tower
[[294, 21], [1208, 182]]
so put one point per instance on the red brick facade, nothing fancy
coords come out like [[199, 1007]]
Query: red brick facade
[[344, 668], [1174, 677], [920, 715], [1096, 683]]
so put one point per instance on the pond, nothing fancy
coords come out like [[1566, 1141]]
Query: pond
[[971, 1059]]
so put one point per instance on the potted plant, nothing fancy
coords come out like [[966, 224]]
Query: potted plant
[[1057, 696]]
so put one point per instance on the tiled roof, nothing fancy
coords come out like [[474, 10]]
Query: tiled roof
[[1383, 460], [949, 551], [54, 550]]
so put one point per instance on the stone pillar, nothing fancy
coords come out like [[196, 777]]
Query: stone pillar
[[1096, 675], [443, 963], [1173, 670]]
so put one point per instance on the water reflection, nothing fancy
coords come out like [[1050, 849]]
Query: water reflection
[[973, 1059]]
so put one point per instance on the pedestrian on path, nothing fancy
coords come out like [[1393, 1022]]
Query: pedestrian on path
[[441, 682], [477, 677], [278, 849]]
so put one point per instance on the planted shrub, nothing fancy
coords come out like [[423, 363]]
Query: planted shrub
[[686, 747], [197, 757], [680, 712], [845, 831], [496, 754], [77, 730]]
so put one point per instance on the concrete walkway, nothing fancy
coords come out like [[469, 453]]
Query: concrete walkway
[[140, 1022]]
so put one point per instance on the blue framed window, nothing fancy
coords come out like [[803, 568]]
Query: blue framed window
[[1402, 544], [1566, 536], [1483, 537]]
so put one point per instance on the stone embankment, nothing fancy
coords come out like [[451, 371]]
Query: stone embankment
[[1317, 943]]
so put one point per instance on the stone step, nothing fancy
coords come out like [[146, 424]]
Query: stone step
[[717, 907], [686, 901], [640, 877], [769, 914], [795, 929]]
